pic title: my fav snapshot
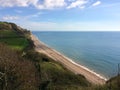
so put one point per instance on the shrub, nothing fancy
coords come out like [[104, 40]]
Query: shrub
[[16, 73]]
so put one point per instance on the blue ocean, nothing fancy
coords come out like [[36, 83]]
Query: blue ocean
[[98, 51]]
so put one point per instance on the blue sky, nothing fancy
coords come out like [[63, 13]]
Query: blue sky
[[62, 15]]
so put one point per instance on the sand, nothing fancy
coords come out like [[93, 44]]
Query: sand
[[68, 63]]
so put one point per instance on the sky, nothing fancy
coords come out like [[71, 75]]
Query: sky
[[62, 15]]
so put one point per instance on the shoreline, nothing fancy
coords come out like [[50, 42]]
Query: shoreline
[[90, 75]]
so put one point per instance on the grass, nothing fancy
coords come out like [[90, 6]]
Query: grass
[[58, 78], [13, 40], [2, 22], [15, 43], [7, 33], [54, 76], [51, 65]]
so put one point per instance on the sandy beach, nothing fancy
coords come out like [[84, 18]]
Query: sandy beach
[[68, 63]]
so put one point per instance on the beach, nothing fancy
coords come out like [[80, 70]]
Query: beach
[[68, 63]]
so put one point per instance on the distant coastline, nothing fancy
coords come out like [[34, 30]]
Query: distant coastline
[[68, 63]]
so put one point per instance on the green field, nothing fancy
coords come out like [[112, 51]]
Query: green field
[[15, 43], [8, 33], [13, 40]]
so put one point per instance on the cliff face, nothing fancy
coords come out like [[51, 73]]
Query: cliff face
[[13, 27], [5, 26], [15, 36], [18, 28]]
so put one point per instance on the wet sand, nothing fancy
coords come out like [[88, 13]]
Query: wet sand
[[68, 63]]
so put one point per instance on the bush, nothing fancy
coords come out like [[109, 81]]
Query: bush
[[16, 73]]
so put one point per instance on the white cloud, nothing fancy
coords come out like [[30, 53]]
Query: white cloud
[[71, 0], [78, 3], [10, 17], [46, 4], [96, 3], [50, 4], [36, 15], [19, 3]]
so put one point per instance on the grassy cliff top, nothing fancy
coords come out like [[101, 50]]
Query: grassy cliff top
[[14, 36], [12, 27]]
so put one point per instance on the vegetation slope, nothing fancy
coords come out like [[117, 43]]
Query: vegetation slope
[[21, 68]]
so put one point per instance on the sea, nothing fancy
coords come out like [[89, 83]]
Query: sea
[[98, 51]]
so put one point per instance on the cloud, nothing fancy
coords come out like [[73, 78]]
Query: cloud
[[96, 3], [50, 4], [78, 3], [45, 4], [19, 3], [10, 17], [36, 15], [27, 17]]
